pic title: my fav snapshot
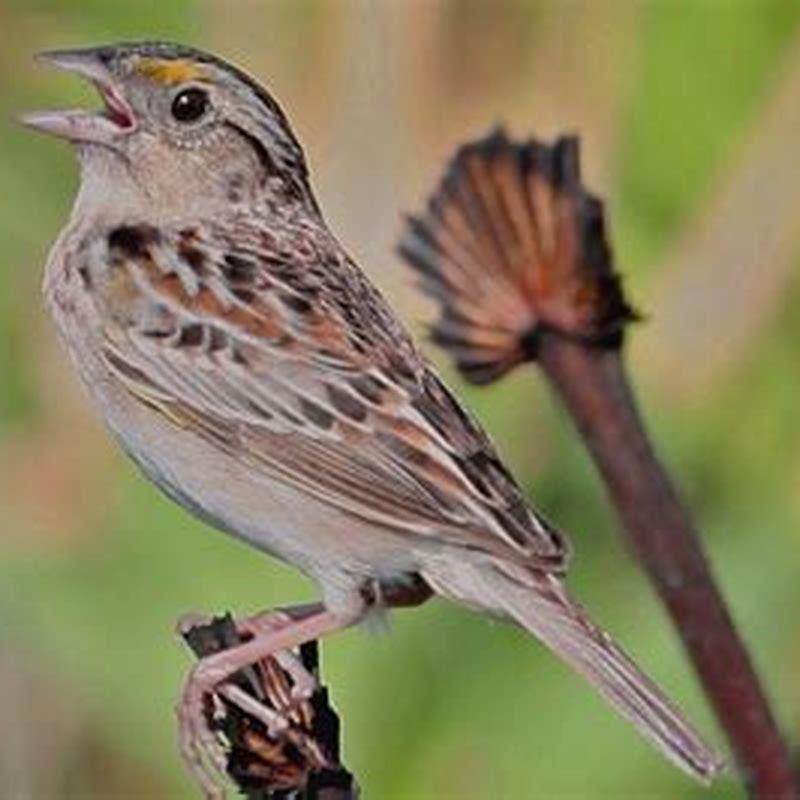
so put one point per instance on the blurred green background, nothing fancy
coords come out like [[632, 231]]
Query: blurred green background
[[689, 114]]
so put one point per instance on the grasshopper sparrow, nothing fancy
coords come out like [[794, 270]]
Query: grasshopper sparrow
[[249, 368]]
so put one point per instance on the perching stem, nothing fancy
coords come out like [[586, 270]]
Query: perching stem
[[513, 248], [593, 384]]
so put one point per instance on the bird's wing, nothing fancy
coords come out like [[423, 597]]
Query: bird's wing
[[294, 361]]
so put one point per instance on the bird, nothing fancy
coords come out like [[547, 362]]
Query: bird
[[246, 364]]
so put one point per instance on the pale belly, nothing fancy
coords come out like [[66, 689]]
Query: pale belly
[[338, 551], [234, 495]]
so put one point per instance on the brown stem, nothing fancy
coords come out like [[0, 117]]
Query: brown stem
[[513, 248], [593, 384]]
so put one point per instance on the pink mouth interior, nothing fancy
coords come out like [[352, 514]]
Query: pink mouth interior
[[116, 108]]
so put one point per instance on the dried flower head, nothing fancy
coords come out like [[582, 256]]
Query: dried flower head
[[512, 244]]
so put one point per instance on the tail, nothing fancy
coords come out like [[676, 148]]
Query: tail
[[543, 607], [511, 242]]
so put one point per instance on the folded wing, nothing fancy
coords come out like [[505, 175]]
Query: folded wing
[[295, 362]]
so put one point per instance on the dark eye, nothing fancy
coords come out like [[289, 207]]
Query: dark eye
[[190, 105]]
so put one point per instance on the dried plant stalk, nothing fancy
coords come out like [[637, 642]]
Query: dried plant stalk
[[513, 248], [301, 761]]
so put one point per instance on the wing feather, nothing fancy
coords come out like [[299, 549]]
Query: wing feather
[[301, 367]]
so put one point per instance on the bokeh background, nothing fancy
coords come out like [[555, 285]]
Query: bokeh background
[[689, 113]]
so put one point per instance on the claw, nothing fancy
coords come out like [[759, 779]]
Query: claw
[[199, 746], [304, 684]]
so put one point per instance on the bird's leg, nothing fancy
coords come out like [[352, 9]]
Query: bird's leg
[[304, 684], [197, 750], [274, 721], [273, 633]]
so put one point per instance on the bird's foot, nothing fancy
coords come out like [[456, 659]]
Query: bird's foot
[[272, 635]]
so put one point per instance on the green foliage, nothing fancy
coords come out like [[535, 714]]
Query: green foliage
[[449, 705], [703, 70]]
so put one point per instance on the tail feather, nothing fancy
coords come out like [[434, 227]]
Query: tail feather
[[543, 607]]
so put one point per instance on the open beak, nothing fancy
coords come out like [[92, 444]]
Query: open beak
[[104, 126]]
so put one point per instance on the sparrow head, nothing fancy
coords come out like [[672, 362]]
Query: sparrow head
[[184, 123]]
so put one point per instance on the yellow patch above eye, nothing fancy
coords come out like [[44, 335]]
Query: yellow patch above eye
[[170, 71]]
